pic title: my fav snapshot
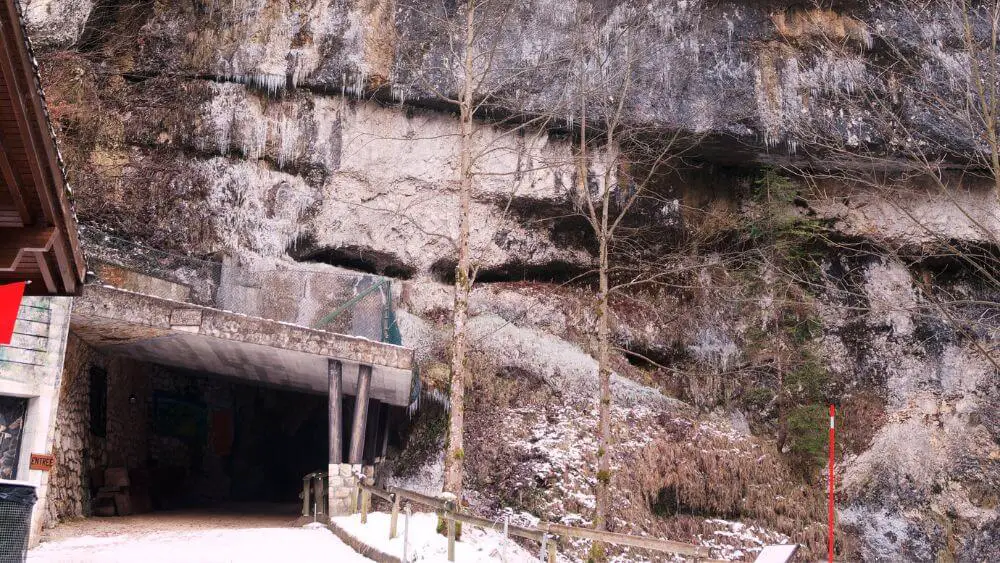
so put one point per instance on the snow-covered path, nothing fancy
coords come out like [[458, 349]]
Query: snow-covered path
[[201, 538]]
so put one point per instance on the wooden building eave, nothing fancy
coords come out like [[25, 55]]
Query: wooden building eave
[[39, 239]]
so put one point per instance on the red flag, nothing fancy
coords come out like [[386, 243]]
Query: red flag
[[10, 301]]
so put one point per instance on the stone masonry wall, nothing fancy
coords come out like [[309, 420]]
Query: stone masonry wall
[[78, 451], [342, 481], [128, 423], [67, 481]]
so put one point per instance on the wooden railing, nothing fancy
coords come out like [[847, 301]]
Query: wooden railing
[[544, 533]]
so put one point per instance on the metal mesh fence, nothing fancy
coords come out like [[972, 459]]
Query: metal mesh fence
[[15, 521], [342, 302]]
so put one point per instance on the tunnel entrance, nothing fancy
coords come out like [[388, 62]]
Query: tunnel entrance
[[166, 438], [168, 405]]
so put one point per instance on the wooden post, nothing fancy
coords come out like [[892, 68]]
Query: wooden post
[[394, 518], [385, 432], [451, 537], [335, 373], [325, 499], [366, 499], [552, 550], [305, 494], [406, 534], [360, 414], [372, 425]]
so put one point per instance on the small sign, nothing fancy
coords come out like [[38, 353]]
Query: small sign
[[42, 462]]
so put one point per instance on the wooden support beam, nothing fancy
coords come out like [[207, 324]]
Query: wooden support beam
[[45, 145], [360, 414], [335, 374], [13, 186], [384, 425], [65, 265], [15, 243], [46, 271], [372, 427]]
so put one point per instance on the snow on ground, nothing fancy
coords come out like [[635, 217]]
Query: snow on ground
[[426, 545], [152, 540], [428, 479]]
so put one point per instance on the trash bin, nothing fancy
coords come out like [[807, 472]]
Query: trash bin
[[16, 501]]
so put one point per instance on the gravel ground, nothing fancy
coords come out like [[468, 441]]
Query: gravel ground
[[209, 537]]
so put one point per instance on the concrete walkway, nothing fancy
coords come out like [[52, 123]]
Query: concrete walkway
[[209, 537]]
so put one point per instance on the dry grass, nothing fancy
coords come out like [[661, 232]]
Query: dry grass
[[490, 462], [860, 416], [805, 26], [688, 476], [76, 94]]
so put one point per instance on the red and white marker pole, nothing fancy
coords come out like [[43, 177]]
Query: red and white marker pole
[[833, 413]]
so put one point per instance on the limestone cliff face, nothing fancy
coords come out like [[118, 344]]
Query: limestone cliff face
[[751, 75], [283, 132]]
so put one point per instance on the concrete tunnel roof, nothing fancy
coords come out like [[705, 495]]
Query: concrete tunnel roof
[[195, 337]]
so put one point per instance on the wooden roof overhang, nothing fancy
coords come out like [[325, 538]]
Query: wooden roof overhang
[[38, 231]]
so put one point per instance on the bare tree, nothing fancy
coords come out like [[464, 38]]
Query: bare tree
[[924, 123], [618, 167], [487, 96]]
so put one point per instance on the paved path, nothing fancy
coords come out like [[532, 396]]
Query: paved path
[[198, 537]]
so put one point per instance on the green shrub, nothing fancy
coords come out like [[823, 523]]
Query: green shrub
[[442, 528], [808, 381], [808, 431], [758, 398]]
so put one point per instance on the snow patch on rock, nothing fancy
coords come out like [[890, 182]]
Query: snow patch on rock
[[562, 364]]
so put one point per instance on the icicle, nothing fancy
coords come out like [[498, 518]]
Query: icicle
[[288, 133]]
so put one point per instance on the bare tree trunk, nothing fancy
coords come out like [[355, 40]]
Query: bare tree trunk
[[453, 463], [604, 379]]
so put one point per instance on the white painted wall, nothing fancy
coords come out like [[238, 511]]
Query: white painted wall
[[32, 367]]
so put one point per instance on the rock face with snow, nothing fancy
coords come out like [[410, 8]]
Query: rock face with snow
[[750, 71], [283, 132]]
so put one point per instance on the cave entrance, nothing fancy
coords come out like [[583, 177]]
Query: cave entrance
[[194, 407], [166, 438], [178, 439]]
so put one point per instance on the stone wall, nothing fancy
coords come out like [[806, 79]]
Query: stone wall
[[343, 478], [128, 420], [72, 441], [77, 449]]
